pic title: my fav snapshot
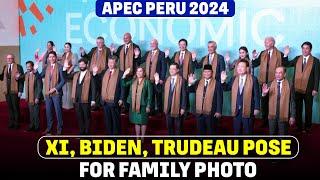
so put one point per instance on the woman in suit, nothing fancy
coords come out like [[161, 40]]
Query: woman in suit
[[243, 54], [139, 98]]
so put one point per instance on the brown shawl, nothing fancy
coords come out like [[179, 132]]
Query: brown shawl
[[109, 84], [186, 63], [175, 104], [67, 58], [204, 104], [284, 100], [101, 62], [136, 91], [126, 60], [13, 82], [150, 71], [54, 79], [214, 63], [235, 73], [247, 95], [30, 81], [275, 61], [302, 77], [85, 87]]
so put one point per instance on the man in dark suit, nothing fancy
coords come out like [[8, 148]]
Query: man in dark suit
[[53, 83], [268, 60], [175, 99], [213, 58], [155, 63], [12, 74], [83, 93], [245, 98], [281, 103], [112, 95], [305, 83], [209, 101], [33, 85], [98, 57], [129, 57]]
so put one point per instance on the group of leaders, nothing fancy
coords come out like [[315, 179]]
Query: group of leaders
[[123, 81]]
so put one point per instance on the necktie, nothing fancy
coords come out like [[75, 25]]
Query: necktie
[[181, 57], [10, 69], [278, 98], [172, 84], [210, 58], [126, 49], [304, 63], [241, 85]]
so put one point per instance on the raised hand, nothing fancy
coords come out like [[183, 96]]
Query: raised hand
[[254, 54], [136, 52], [95, 69], [194, 55], [126, 72], [265, 88], [36, 54], [112, 48], [81, 50], [223, 76], [156, 78], [36, 66], [191, 78], [166, 52], [227, 57], [286, 51]]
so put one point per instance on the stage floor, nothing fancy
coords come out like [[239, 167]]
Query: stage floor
[[19, 153]]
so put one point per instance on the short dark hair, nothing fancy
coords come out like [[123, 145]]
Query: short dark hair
[[175, 64], [308, 44], [284, 68], [52, 52], [113, 57], [30, 62], [244, 61], [84, 60], [184, 41], [67, 43], [51, 43], [100, 37]]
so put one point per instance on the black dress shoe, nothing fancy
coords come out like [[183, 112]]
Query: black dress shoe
[[59, 132], [11, 126], [46, 132], [29, 129], [36, 129]]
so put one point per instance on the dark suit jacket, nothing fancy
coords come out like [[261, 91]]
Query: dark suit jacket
[[20, 80], [217, 102], [92, 90], [221, 65], [172, 60], [136, 61], [313, 83], [90, 54], [61, 80], [119, 90], [161, 64], [38, 85], [255, 100], [292, 103], [256, 62], [183, 95]]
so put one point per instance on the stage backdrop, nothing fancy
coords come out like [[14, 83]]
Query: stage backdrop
[[290, 21]]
